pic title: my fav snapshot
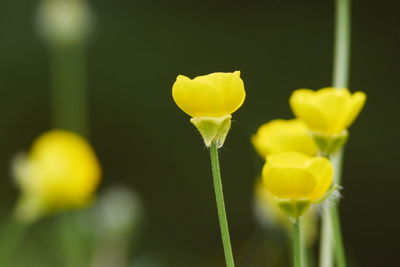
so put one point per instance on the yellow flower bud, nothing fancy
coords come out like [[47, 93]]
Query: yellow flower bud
[[60, 172], [213, 95], [328, 111], [210, 100], [284, 135], [297, 180]]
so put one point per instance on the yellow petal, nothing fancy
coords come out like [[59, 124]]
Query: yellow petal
[[288, 159], [322, 170], [288, 182], [305, 106], [213, 95], [335, 104], [357, 103], [283, 135], [231, 87], [286, 176], [197, 98]]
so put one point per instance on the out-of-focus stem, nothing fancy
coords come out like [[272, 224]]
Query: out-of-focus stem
[[68, 87]]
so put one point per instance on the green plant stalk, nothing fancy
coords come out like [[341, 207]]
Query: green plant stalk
[[331, 232], [341, 60], [11, 236], [339, 248], [68, 87], [223, 222], [297, 244]]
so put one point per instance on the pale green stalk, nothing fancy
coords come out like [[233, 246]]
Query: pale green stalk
[[297, 244], [223, 222], [331, 236]]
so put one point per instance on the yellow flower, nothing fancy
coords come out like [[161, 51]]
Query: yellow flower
[[213, 95], [327, 111], [60, 172], [294, 178], [269, 214], [210, 100], [284, 135]]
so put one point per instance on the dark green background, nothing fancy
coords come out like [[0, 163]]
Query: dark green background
[[144, 141]]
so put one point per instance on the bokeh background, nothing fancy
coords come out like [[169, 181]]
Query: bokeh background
[[146, 143]]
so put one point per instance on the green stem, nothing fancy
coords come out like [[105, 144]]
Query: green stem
[[297, 245], [223, 222], [11, 236], [341, 65], [341, 60], [331, 235], [339, 248], [326, 243], [68, 85]]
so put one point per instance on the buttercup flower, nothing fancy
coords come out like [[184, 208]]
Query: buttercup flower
[[213, 95], [284, 135], [270, 214], [60, 172], [297, 180], [210, 100], [327, 111]]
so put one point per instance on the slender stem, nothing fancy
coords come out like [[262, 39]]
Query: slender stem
[[297, 245], [11, 236], [339, 248], [341, 60], [326, 245], [223, 222], [331, 235], [341, 65]]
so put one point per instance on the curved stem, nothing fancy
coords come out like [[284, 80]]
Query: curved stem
[[223, 222], [297, 249]]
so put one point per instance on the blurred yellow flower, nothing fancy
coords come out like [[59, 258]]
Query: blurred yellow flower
[[60, 172], [327, 111], [213, 95], [294, 178], [284, 135]]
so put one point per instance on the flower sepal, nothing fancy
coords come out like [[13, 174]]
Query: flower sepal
[[213, 129], [330, 144], [294, 208], [332, 193]]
